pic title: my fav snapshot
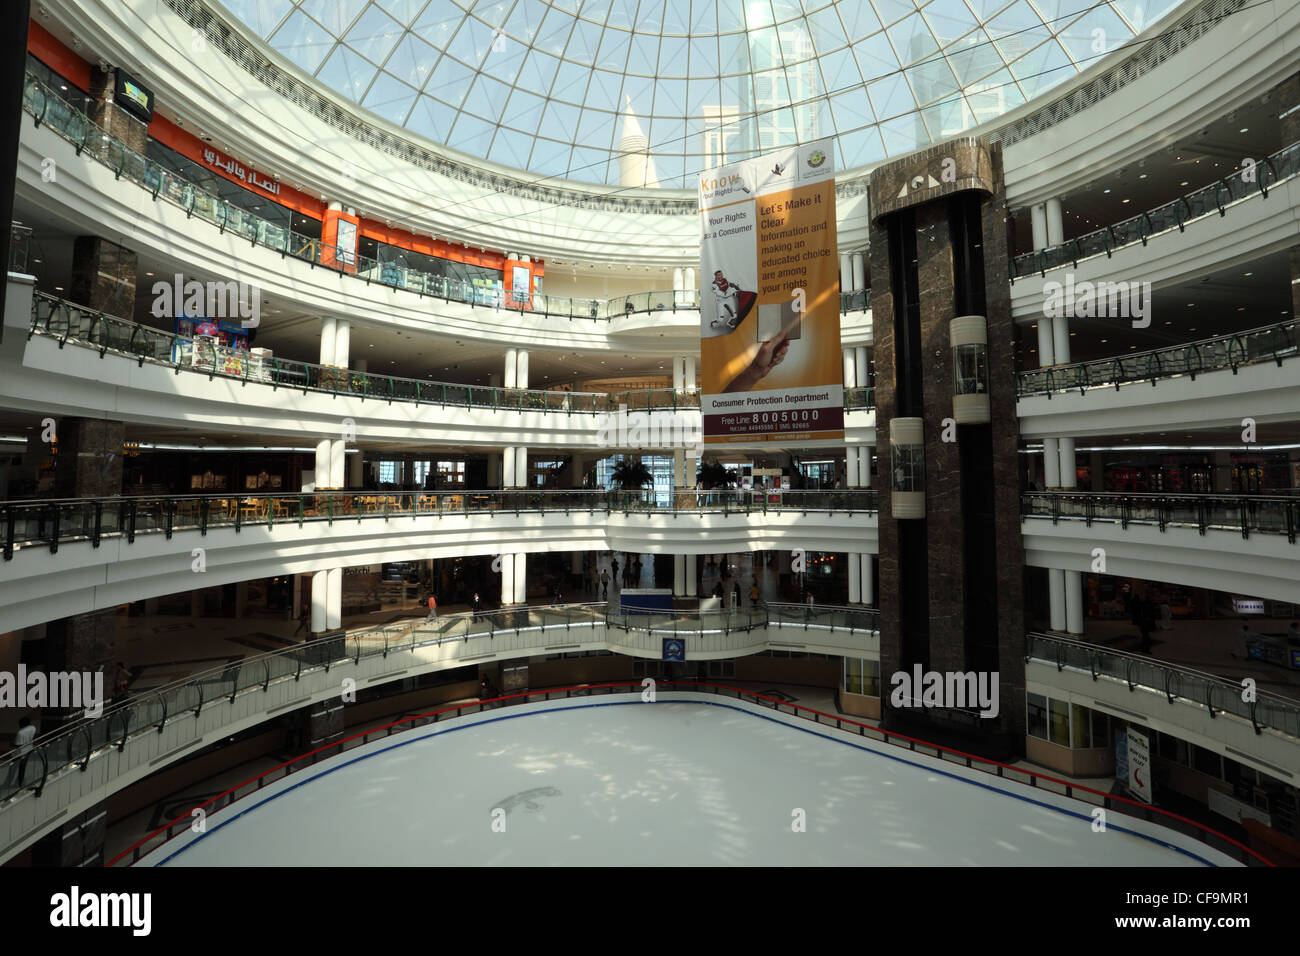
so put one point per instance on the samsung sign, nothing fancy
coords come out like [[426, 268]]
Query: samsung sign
[[1247, 606], [136, 99]]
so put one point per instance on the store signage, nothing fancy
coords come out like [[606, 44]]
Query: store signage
[[1247, 606], [771, 364], [1139, 765], [132, 96], [234, 170]]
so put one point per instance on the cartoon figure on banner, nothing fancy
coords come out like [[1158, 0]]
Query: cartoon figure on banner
[[733, 303]]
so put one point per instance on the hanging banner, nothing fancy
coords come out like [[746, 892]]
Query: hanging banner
[[770, 358]]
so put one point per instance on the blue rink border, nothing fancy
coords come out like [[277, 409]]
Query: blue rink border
[[638, 703]]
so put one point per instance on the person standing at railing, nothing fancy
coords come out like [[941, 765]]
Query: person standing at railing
[[23, 749], [476, 605], [753, 593]]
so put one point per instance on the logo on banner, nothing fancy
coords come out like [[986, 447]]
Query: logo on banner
[[817, 158]]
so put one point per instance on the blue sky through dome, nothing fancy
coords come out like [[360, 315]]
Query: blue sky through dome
[[544, 85]]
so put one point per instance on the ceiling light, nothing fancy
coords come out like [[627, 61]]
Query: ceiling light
[[1244, 129]]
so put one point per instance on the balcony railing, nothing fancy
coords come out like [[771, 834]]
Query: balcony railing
[[88, 328], [1247, 514], [1272, 343], [1218, 695], [49, 109], [1217, 197], [51, 522], [75, 744]]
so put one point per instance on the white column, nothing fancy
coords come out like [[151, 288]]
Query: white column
[[1061, 340], [342, 342], [688, 374], [855, 578], [1038, 225], [521, 467], [508, 466], [511, 367], [859, 272], [846, 273], [334, 607], [850, 368], [860, 366], [319, 600], [1056, 598], [322, 479], [678, 365], [868, 581], [521, 368], [692, 572], [1051, 463], [507, 579], [1069, 467], [1073, 602], [1046, 351], [690, 280], [864, 466], [679, 575], [1055, 223], [851, 476], [521, 577], [337, 457], [328, 335]]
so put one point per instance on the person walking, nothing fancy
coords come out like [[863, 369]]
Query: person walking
[[23, 748], [753, 593], [304, 623], [604, 583], [476, 605], [433, 609], [121, 681], [735, 594]]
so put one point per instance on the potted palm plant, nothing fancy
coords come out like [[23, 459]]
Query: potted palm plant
[[630, 474]]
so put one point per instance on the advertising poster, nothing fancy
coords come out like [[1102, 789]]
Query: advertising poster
[[770, 361], [1139, 765]]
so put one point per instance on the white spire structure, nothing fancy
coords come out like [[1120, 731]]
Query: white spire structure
[[635, 165]]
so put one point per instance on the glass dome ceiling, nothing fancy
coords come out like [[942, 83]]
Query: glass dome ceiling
[[559, 87]]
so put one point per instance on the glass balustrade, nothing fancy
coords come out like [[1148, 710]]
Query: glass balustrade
[[50, 522], [74, 324], [1245, 514], [1271, 343], [1216, 198]]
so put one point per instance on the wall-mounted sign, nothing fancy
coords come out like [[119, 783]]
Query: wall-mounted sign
[[133, 96], [1247, 606], [232, 168], [1139, 765]]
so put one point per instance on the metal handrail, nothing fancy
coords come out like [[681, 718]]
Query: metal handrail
[[1283, 342], [1175, 214], [1263, 514], [1068, 652], [51, 521]]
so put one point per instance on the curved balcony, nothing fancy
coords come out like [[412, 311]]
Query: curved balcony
[[52, 522], [1246, 514], [1243, 544], [71, 557], [47, 108], [1218, 197], [77, 325], [1271, 343], [94, 757]]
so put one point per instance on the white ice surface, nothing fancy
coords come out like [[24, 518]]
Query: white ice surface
[[669, 783]]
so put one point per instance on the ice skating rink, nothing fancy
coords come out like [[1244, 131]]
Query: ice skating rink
[[613, 781]]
